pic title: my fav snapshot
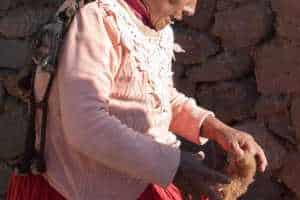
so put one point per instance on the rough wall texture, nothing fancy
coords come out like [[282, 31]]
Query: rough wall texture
[[241, 61]]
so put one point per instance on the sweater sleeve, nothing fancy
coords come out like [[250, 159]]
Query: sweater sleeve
[[84, 80], [187, 117]]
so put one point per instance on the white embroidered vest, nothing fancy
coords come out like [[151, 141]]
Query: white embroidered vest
[[154, 53]]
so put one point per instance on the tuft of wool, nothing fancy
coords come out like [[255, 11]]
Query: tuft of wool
[[242, 174]]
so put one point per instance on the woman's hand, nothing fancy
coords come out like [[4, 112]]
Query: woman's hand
[[233, 141], [236, 142]]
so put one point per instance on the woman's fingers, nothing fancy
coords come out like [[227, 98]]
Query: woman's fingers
[[236, 150], [254, 148], [261, 159]]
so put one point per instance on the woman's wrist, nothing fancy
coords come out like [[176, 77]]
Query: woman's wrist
[[212, 128]]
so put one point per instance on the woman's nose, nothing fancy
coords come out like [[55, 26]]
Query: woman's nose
[[190, 7], [178, 16]]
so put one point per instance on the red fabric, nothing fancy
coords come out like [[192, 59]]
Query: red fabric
[[155, 192], [140, 11], [35, 187], [31, 187]]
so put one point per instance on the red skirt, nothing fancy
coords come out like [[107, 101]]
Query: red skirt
[[33, 187]]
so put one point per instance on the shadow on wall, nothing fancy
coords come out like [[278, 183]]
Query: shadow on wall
[[241, 62]]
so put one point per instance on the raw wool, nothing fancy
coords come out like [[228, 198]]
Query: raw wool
[[242, 174]]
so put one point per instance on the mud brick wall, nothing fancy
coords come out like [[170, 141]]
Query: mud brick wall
[[241, 61]]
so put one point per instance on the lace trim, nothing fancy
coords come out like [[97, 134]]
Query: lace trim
[[153, 53]]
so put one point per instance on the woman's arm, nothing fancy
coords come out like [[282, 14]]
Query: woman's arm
[[192, 121], [84, 81], [187, 117]]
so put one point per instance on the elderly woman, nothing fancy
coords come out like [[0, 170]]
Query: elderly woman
[[113, 113]]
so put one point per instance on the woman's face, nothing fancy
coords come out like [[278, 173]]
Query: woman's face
[[163, 12]]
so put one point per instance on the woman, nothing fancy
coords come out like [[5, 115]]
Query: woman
[[113, 112]]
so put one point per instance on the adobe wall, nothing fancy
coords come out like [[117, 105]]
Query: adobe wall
[[241, 62]]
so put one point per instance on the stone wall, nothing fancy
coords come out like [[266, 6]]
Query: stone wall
[[241, 61]]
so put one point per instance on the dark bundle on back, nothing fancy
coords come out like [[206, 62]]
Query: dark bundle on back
[[47, 44]]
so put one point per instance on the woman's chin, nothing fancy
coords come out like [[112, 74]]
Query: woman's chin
[[162, 23]]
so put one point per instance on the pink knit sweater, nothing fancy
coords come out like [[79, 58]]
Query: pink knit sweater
[[113, 110]]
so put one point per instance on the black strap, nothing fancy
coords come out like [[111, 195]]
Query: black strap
[[23, 165]]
